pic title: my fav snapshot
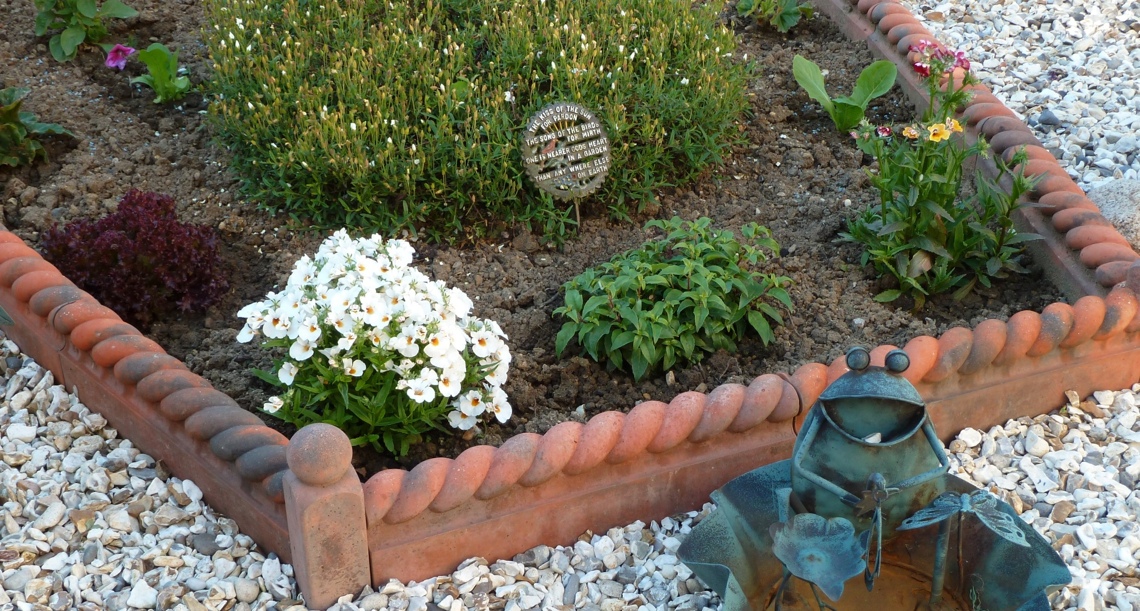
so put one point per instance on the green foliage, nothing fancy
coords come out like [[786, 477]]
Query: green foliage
[[923, 232], [18, 130], [162, 63], [408, 115], [845, 111], [782, 14], [675, 298], [81, 21]]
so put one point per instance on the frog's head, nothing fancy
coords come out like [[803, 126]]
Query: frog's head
[[874, 405]]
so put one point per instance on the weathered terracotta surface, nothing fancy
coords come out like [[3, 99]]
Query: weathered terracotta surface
[[126, 377], [325, 507]]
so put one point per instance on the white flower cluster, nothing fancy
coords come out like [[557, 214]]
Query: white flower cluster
[[360, 302]]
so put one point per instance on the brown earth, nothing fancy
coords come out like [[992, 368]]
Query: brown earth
[[795, 175]]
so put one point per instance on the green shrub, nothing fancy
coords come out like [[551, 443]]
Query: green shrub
[[781, 14], [81, 20], [409, 114], [19, 129], [674, 298]]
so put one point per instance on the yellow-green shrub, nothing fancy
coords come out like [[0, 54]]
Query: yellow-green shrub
[[403, 114]]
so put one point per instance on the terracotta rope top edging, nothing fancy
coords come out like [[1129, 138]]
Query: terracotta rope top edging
[[232, 433], [571, 448], [1100, 248]]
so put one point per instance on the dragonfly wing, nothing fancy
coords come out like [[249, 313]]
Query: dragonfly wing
[[1001, 523], [941, 508]]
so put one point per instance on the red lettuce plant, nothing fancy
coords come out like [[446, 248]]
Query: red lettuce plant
[[140, 261]]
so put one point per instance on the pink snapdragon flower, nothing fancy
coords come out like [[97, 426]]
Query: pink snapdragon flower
[[117, 56]]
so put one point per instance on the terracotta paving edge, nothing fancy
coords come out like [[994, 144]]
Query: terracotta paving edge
[[1085, 257]]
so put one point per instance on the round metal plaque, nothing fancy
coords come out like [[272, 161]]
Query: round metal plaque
[[566, 151]]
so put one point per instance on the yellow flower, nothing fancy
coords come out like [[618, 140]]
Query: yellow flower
[[910, 132], [938, 132], [953, 125]]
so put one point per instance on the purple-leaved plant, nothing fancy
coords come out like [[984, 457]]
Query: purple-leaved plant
[[140, 261]]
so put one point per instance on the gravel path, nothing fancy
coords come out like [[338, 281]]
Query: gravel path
[[91, 523], [1071, 68]]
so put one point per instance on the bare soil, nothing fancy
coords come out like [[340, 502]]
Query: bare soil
[[795, 174]]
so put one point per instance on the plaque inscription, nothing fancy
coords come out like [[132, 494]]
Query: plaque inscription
[[566, 151]]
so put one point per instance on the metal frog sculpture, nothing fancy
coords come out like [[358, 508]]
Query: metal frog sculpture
[[867, 492]]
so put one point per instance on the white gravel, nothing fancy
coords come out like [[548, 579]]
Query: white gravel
[[91, 523], [1070, 67]]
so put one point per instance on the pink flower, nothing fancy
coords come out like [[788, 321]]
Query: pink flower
[[922, 69], [883, 131], [960, 60], [117, 56], [921, 46]]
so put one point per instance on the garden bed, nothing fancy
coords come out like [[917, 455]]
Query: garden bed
[[650, 462], [793, 172]]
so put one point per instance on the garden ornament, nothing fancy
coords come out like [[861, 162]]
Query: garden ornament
[[866, 484]]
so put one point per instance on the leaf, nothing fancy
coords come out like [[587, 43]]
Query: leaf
[[890, 228], [888, 296], [57, 49], [927, 244], [116, 9], [787, 16], [920, 263], [71, 38], [874, 81], [846, 115], [593, 303], [268, 377], [43, 21], [564, 335], [810, 78], [640, 366], [1022, 237], [760, 324], [86, 8]]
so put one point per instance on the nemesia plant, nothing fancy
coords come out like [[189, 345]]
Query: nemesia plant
[[923, 232], [377, 348]]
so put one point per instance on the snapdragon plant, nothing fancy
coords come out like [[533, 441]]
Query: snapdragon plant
[[377, 348], [923, 232]]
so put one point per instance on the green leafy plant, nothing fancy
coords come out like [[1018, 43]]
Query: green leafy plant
[[18, 129], [845, 111], [163, 77], [81, 21], [377, 348], [693, 291], [782, 14], [404, 115], [923, 232]]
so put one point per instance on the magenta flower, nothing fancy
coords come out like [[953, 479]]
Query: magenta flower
[[117, 56], [884, 131]]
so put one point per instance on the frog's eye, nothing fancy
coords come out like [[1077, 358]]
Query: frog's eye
[[897, 361], [858, 358]]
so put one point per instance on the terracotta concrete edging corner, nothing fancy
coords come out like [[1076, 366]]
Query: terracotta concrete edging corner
[[152, 398]]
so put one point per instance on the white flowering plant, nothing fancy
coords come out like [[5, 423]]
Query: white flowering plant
[[377, 348]]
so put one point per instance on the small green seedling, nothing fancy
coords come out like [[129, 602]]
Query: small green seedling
[[18, 130], [782, 14], [846, 111], [162, 63]]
